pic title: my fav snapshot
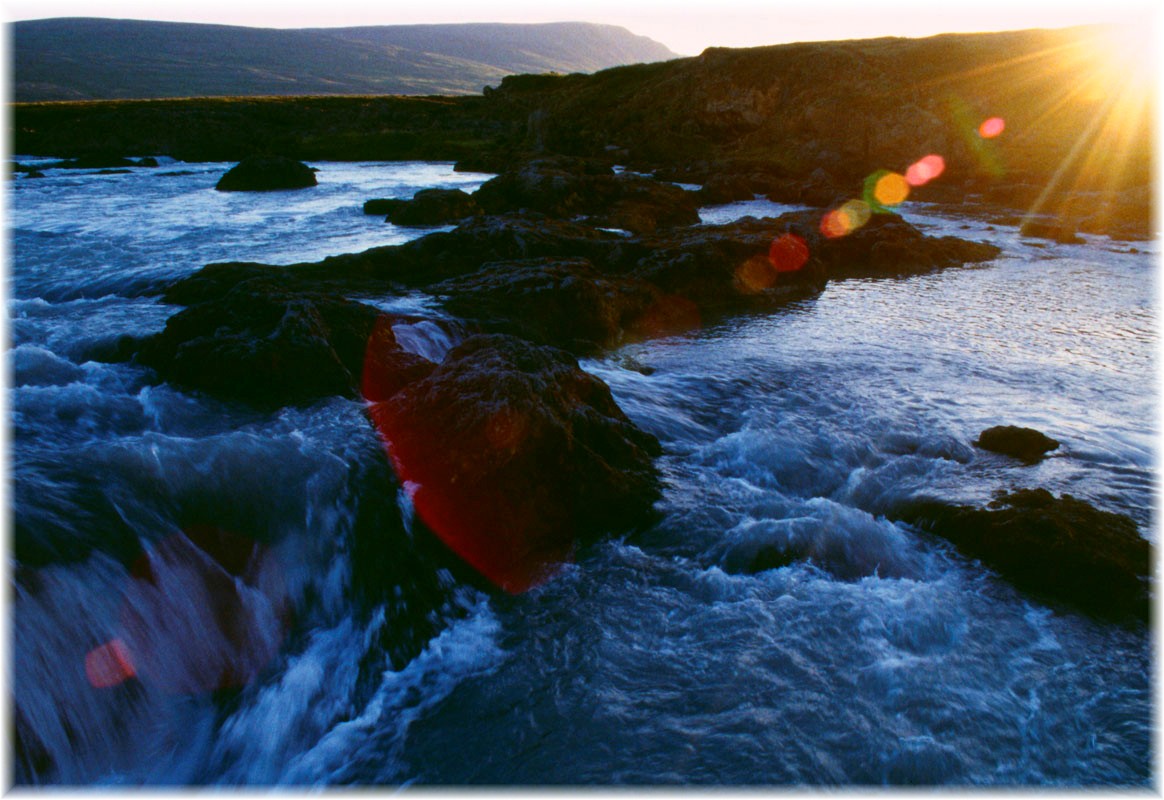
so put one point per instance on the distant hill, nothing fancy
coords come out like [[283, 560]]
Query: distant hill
[[93, 59]]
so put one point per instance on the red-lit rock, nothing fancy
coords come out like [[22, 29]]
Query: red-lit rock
[[513, 455]]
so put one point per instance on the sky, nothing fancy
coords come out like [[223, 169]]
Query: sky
[[686, 26]]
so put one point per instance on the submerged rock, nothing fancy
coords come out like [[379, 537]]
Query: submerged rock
[[266, 173], [1025, 444], [513, 455], [1059, 547]]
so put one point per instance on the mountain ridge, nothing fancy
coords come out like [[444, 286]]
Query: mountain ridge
[[92, 58]]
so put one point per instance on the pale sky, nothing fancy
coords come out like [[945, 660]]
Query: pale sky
[[686, 26]]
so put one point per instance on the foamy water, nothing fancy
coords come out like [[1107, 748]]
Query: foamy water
[[877, 655]]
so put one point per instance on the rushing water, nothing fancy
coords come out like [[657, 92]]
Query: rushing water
[[880, 656]]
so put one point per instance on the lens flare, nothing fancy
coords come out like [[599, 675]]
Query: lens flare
[[788, 253], [992, 127], [925, 170], [755, 275], [835, 224], [109, 665], [891, 189], [842, 221]]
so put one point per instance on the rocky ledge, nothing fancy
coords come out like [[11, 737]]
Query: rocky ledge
[[1060, 548]]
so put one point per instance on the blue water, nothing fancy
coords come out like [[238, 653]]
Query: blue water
[[879, 656]]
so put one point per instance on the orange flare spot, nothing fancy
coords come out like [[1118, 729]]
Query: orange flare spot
[[788, 253], [755, 275], [835, 224], [844, 220], [109, 665], [891, 189], [923, 171], [991, 127]]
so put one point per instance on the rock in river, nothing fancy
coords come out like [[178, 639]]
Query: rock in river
[[1025, 444], [266, 173], [1059, 547], [513, 455]]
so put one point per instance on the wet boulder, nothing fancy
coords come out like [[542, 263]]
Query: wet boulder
[[566, 189], [1055, 230], [427, 207], [565, 302], [513, 455], [267, 173], [747, 262], [265, 345], [725, 188], [1025, 444], [884, 245], [1061, 548]]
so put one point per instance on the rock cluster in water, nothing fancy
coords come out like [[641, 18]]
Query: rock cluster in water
[[515, 454]]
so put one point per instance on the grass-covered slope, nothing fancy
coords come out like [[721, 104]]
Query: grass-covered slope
[[78, 59]]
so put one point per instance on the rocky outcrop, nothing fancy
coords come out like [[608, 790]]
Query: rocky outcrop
[[885, 244], [514, 455], [1025, 444], [1060, 548], [266, 173], [565, 302], [568, 188], [427, 207], [260, 343], [1054, 229]]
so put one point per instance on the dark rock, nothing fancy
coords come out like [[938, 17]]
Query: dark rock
[[381, 206], [722, 266], [725, 189], [1053, 229], [432, 207], [885, 245], [96, 162], [1061, 548], [516, 455], [565, 302], [34, 173], [267, 173], [1025, 444], [568, 188], [262, 344]]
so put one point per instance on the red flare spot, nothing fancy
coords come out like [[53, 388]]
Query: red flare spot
[[788, 253], [468, 497], [668, 315], [991, 127], [109, 665], [835, 224], [923, 171]]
